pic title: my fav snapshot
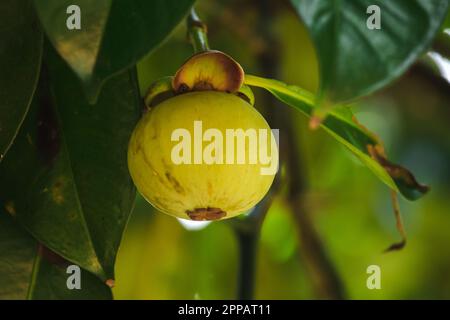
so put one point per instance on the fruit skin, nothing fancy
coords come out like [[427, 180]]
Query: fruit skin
[[195, 191]]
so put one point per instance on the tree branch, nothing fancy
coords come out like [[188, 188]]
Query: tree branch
[[248, 232], [325, 279]]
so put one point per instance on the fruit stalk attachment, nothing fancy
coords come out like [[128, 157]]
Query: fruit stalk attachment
[[197, 32]]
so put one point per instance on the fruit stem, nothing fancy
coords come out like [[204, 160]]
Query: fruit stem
[[247, 232], [197, 32], [248, 244]]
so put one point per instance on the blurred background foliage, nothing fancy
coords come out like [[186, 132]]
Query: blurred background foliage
[[163, 258]]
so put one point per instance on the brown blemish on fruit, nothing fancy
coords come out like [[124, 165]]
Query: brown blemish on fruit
[[210, 188], [200, 214], [158, 202], [174, 182], [148, 163]]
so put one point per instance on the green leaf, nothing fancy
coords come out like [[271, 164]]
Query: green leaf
[[26, 272], [446, 24], [17, 252], [342, 125], [66, 177], [354, 60], [50, 276], [114, 34], [20, 60]]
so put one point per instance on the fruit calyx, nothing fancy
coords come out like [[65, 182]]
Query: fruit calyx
[[209, 70]]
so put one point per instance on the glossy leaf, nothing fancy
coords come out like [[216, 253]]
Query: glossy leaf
[[66, 177], [354, 60], [114, 34], [26, 273], [20, 59], [342, 125], [50, 277]]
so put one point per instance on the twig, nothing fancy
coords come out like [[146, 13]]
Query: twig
[[399, 224]]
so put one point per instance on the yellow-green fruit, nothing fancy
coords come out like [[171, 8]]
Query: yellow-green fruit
[[198, 191]]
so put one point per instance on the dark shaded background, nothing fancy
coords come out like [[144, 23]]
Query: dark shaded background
[[161, 258]]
